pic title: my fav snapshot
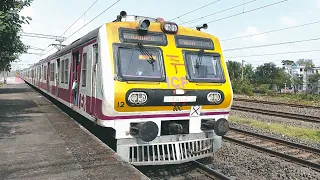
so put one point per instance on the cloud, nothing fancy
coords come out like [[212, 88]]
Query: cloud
[[288, 21], [252, 31], [318, 4]]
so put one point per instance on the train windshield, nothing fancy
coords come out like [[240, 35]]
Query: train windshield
[[140, 63], [204, 67]]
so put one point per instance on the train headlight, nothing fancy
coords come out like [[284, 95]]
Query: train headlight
[[138, 98], [169, 27], [214, 97], [144, 25], [221, 127]]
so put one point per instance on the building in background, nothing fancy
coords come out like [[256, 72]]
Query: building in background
[[300, 77]]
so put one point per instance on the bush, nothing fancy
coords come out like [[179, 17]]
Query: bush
[[262, 89], [242, 87]]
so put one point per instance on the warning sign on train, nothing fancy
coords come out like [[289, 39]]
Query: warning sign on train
[[195, 111]]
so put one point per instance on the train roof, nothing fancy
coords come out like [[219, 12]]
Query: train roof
[[89, 36]]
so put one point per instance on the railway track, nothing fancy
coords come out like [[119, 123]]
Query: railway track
[[276, 103], [190, 170], [278, 113], [301, 154]]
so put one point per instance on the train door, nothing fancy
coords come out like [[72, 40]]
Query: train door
[[57, 77], [83, 90], [75, 69], [48, 76], [93, 101]]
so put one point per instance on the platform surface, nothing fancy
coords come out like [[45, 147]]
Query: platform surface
[[38, 141]]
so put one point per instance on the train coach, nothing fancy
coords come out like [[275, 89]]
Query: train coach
[[164, 89]]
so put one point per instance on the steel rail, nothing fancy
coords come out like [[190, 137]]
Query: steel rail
[[309, 149], [212, 171], [277, 113], [276, 103]]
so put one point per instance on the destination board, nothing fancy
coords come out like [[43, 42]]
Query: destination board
[[194, 42], [148, 38]]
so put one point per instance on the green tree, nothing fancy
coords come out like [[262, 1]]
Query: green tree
[[308, 63], [287, 62], [297, 82], [234, 69], [281, 78], [248, 72], [265, 74], [11, 45], [269, 73], [314, 81]]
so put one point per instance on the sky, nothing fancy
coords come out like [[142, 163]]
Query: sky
[[53, 17]]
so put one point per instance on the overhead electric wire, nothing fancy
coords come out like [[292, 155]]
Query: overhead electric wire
[[73, 24], [80, 17], [276, 30], [90, 20], [292, 52], [194, 10], [274, 44], [197, 19], [244, 12], [94, 18]]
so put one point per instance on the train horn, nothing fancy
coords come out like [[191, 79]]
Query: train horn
[[123, 14], [204, 26]]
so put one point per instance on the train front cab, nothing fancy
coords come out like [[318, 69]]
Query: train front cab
[[175, 88]]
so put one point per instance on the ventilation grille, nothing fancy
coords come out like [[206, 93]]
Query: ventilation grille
[[177, 151]]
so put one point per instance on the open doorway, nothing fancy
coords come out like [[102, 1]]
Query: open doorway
[[75, 77]]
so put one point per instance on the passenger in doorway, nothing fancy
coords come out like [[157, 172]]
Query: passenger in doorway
[[75, 92]]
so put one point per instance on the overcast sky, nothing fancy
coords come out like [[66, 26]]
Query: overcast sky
[[55, 16]]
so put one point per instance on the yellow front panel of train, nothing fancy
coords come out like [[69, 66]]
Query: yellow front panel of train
[[162, 75]]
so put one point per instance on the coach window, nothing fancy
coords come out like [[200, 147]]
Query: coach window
[[52, 72], [203, 67], [84, 70], [66, 70], [40, 70], [44, 72], [144, 64], [62, 71]]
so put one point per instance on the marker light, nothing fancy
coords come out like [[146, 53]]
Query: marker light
[[214, 97], [159, 19], [169, 27], [137, 98]]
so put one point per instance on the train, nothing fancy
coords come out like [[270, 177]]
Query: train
[[163, 89]]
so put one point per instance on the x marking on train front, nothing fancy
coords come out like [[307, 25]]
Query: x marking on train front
[[195, 111]]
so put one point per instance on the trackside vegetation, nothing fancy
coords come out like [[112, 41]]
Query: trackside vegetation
[[292, 131]]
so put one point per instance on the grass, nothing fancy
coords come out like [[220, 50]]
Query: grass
[[292, 131]]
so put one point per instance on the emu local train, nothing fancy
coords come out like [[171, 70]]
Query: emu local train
[[164, 89]]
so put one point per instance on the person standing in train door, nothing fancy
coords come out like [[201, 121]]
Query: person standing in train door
[[74, 92]]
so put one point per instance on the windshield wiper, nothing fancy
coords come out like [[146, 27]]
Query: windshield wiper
[[145, 52], [199, 59]]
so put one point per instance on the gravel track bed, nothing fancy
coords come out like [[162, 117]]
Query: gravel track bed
[[273, 134], [274, 119], [245, 163], [280, 108]]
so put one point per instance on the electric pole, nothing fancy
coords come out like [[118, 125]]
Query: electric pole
[[242, 70]]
